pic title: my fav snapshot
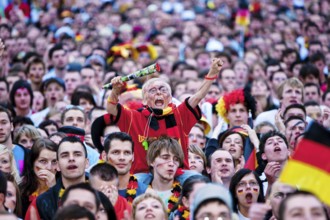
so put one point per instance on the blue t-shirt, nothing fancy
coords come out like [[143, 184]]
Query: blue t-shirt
[[19, 154], [140, 190]]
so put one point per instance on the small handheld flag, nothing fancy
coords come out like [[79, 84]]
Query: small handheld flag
[[140, 73]]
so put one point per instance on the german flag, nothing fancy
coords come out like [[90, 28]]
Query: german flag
[[249, 150], [309, 167], [243, 14]]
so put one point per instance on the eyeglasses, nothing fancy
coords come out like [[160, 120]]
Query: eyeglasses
[[161, 89], [245, 184]]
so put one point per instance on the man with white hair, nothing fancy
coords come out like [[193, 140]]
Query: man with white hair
[[159, 116]]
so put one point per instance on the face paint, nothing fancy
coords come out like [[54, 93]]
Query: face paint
[[239, 191], [165, 162], [255, 190], [21, 90]]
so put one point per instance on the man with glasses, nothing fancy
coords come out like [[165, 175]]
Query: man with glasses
[[159, 116], [270, 210]]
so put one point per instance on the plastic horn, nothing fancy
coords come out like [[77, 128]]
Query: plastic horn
[[140, 73]]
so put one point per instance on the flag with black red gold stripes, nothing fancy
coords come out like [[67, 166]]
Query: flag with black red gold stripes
[[309, 167]]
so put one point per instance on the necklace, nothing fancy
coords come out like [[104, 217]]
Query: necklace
[[174, 198], [131, 189], [182, 212]]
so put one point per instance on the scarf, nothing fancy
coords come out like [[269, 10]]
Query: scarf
[[159, 114], [154, 115]]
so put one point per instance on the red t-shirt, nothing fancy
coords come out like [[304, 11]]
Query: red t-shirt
[[120, 206], [134, 122]]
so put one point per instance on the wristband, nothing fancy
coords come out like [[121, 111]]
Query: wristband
[[112, 102], [210, 78]]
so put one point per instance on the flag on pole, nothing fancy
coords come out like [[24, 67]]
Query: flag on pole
[[309, 167]]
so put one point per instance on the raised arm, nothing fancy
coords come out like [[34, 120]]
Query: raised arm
[[2, 47], [208, 80], [112, 102]]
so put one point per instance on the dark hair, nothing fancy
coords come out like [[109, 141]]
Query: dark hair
[[108, 207], [77, 95], [293, 118], [72, 139], [325, 94], [294, 105], [289, 51], [18, 85], [3, 79], [270, 134], [309, 69], [104, 171], [52, 50], [237, 178], [283, 204], [46, 123], [315, 85], [36, 60], [311, 103], [30, 181], [73, 212], [122, 136], [317, 57], [8, 112], [280, 70], [3, 184], [83, 186], [21, 120], [223, 136]]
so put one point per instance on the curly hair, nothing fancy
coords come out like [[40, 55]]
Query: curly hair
[[242, 96]]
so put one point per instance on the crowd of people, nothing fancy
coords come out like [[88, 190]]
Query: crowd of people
[[205, 137]]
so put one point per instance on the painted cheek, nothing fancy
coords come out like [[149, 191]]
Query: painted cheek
[[255, 190], [239, 191]]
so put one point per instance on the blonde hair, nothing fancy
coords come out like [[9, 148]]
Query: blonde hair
[[292, 82], [13, 168], [198, 151], [27, 130], [146, 196]]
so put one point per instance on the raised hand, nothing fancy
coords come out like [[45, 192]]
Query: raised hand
[[47, 176], [2, 47]]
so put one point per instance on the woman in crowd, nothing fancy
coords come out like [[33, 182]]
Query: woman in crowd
[[246, 189], [196, 159], [50, 126], [26, 135], [106, 210], [13, 198], [83, 99], [40, 172], [189, 188], [151, 202], [8, 163]]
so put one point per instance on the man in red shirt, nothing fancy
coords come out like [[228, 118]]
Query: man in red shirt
[[159, 116]]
